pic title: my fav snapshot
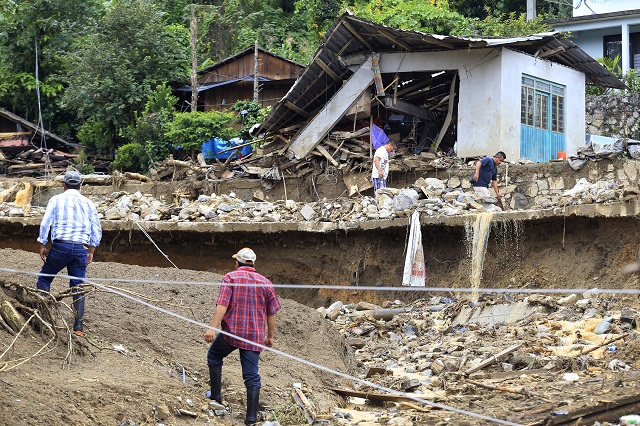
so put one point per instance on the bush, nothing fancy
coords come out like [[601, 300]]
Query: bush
[[129, 158], [189, 130], [249, 114], [97, 136], [150, 127]]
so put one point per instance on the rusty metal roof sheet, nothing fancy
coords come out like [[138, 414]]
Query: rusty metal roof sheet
[[350, 35]]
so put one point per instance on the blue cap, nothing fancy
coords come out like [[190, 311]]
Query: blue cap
[[72, 177]]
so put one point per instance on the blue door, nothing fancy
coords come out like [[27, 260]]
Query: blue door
[[542, 130]]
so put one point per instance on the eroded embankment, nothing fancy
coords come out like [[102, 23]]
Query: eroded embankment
[[545, 251]]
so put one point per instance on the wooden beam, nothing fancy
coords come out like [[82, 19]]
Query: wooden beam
[[551, 52], [447, 121], [358, 36], [326, 155], [298, 110], [328, 70], [386, 35], [492, 359]]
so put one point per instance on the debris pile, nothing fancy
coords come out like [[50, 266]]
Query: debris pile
[[429, 196], [444, 349]]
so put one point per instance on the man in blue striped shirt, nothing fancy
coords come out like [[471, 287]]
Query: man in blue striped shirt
[[72, 221]]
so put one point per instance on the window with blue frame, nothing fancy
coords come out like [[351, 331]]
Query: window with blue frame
[[542, 104]]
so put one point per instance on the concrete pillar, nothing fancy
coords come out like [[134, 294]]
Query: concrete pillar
[[626, 47]]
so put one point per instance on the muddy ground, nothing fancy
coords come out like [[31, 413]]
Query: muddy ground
[[99, 385], [96, 384]]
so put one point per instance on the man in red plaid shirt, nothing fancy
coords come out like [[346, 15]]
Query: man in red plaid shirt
[[246, 305]]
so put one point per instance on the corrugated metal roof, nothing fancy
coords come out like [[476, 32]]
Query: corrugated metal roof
[[207, 86], [29, 125], [350, 35]]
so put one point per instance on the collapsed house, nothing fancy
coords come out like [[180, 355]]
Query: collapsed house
[[26, 149], [523, 95]]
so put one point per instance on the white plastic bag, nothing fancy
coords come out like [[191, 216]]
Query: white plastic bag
[[414, 268]]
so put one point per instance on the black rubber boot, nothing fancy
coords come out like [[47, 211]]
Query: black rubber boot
[[215, 379], [253, 398]]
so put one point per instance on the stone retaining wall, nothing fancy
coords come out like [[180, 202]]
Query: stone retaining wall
[[613, 115], [542, 184]]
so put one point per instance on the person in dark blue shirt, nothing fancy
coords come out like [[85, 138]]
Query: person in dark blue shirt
[[487, 173]]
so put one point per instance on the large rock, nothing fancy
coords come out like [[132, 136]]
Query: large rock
[[405, 200]]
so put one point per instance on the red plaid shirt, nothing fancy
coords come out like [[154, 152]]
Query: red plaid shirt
[[247, 306]]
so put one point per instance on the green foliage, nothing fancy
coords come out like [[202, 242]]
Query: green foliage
[[129, 158], [481, 9], [249, 113], [613, 66], [150, 126], [116, 70], [190, 129], [50, 26], [632, 80], [97, 136], [81, 165], [417, 15], [509, 25]]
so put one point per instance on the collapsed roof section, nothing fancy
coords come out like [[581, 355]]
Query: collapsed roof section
[[342, 70]]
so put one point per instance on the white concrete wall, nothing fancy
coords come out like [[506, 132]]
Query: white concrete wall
[[479, 105], [590, 7], [514, 65], [489, 95]]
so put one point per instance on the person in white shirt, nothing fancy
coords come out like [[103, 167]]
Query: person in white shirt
[[380, 169], [71, 220]]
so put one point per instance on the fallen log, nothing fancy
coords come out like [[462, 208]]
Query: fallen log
[[137, 176], [12, 317]]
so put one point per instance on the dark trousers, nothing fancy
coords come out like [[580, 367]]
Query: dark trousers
[[73, 256], [220, 348]]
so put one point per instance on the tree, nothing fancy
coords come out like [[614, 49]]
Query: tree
[[116, 69], [149, 130], [50, 26]]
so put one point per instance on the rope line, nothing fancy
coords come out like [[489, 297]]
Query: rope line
[[340, 287], [146, 234], [306, 362]]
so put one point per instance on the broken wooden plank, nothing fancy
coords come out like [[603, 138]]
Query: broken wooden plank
[[407, 108], [304, 403], [493, 359], [379, 397], [601, 408]]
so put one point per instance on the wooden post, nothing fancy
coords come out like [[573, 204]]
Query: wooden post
[[193, 33], [256, 86]]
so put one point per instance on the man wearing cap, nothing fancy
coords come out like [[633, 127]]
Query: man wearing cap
[[247, 305], [72, 221]]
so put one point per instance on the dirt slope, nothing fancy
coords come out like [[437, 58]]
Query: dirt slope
[[105, 386]]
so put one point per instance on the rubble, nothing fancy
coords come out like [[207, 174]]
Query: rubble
[[439, 355], [431, 197]]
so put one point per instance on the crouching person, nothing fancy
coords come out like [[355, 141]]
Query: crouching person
[[246, 307]]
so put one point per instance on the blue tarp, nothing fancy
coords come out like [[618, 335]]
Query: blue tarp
[[211, 149], [378, 137]]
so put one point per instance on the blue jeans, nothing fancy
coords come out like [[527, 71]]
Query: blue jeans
[[73, 256], [220, 348]]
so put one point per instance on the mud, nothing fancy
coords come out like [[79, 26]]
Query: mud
[[571, 252]]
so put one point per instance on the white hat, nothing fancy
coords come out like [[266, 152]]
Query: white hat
[[245, 255]]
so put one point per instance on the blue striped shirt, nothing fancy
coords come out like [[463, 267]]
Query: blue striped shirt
[[71, 217]]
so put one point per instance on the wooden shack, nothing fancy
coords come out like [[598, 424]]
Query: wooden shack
[[232, 79]]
